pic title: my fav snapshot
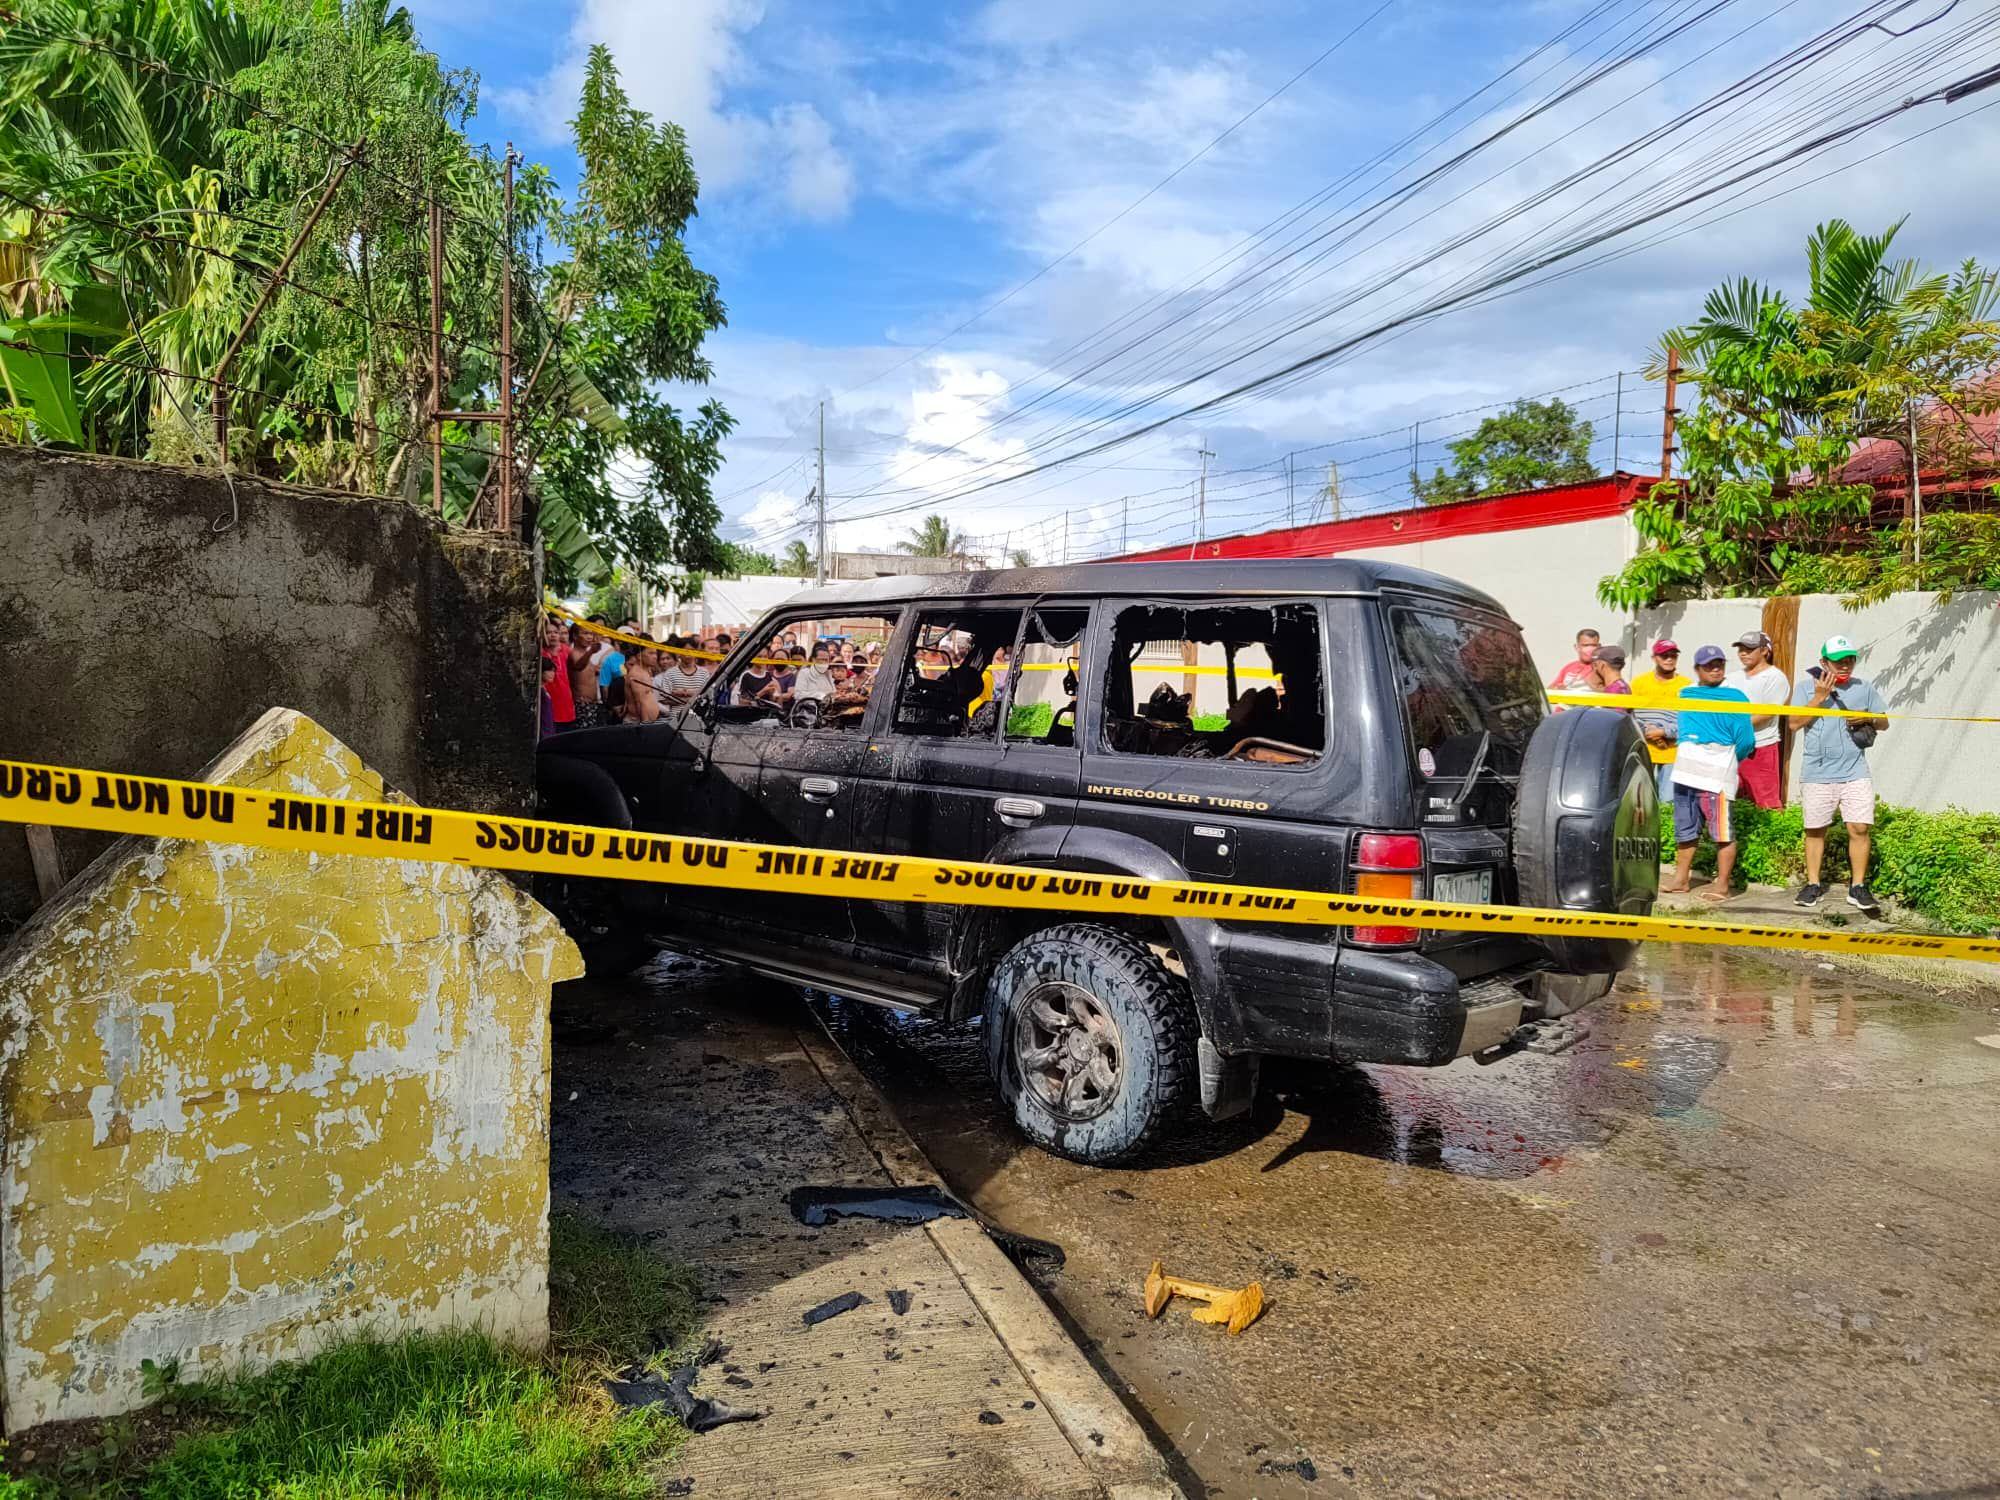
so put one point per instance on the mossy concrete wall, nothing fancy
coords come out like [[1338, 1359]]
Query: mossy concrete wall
[[254, 1100], [148, 614]]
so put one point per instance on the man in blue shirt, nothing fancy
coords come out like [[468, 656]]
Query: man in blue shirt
[[1711, 747], [1834, 776]]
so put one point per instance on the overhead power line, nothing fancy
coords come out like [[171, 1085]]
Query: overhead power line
[[1122, 213]]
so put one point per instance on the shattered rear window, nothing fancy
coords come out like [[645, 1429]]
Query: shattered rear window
[[1234, 682]]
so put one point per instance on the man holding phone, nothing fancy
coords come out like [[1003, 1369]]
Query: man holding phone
[[1834, 776]]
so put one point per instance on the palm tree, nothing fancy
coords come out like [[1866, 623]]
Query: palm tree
[[796, 561], [934, 538], [1872, 336]]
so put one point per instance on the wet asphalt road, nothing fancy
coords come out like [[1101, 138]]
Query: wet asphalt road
[[1744, 1239]]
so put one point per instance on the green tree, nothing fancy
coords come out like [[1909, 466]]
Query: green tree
[[933, 537], [1530, 444], [739, 560], [614, 599], [1785, 394], [1020, 557], [156, 207], [797, 561]]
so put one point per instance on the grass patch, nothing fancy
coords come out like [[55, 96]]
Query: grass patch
[[447, 1415], [610, 1300]]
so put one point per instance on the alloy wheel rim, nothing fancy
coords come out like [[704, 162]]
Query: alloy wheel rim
[[1068, 1050]]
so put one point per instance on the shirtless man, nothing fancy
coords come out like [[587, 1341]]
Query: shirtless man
[[583, 677], [642, 706]]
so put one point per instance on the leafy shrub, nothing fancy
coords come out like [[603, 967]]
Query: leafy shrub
[[1941, 865]]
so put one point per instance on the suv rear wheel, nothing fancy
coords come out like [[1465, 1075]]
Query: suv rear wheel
[[1090, 1041]]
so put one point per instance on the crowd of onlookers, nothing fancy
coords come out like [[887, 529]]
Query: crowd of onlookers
[[591, 678], [1705, 758]]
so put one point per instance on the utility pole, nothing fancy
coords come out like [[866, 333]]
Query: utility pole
[[1291, 493], [1667, 428], [1124, 524], [819, 493], [1618, 421], [1201, 505], [1333, 490], [1065, 539]]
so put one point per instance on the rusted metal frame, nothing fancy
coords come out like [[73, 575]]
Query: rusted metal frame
[[505, 520], [220, 401], [435, 215]]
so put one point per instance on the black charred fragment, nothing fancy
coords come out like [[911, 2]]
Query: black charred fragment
[[899, 1301], [833, 1307]]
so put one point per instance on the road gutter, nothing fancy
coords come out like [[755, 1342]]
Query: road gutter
[[1106, 1437]]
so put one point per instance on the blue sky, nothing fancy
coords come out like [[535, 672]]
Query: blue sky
[[876, 173]]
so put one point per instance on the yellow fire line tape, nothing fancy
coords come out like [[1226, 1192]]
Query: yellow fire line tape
[[1713, 706], [158, 807]]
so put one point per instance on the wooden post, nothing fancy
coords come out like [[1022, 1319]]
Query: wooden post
[[47, 860], [1781, 623]]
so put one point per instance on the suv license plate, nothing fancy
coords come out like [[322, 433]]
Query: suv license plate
[[1471, 886]]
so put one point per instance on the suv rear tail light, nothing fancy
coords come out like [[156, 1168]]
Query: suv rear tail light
[[1389, 866]]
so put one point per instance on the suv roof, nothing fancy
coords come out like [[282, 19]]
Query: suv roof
[[1289, 576]]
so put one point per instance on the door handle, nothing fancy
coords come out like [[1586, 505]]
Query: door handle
[[1018, 812], [818, 788]]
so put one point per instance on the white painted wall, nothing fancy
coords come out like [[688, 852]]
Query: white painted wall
[[1924, 657], [1547, 577]]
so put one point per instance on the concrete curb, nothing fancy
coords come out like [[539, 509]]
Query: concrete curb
[[1113, 1446]]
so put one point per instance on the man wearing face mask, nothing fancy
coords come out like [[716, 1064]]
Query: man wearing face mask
[[1834, 776]]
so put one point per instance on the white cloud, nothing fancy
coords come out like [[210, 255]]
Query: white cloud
[[1057, 118], [679, 62]]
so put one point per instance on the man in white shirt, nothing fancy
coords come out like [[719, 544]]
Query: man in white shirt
[[1761, 682]]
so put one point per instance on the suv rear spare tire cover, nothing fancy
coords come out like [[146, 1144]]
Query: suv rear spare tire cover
[[1587, 830]]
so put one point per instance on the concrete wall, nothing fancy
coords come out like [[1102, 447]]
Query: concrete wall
[[254, 1100], [1546, 576], [1926, 658], [136, 636]]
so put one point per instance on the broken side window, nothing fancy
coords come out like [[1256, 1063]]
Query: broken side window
[[956, 674], [1218, 682], [1041, 707]]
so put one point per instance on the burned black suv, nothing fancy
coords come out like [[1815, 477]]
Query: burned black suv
[[1324, 725]]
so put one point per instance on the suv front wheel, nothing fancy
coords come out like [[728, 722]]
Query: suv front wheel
[[1091, 1041]]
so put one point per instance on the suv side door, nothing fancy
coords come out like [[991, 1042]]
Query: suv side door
[[1238, 820], [813, 764], [931, 768]]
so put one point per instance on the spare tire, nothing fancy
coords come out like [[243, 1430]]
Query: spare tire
[[1587, 830]]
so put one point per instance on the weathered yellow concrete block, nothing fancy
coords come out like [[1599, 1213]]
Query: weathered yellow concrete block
[[256, 1100]]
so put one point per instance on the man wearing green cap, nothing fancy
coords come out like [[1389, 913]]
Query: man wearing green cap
[[1834, 777]]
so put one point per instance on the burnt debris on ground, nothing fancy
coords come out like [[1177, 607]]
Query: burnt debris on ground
[[636, 1386], [816, 1207], [833, 1307]]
